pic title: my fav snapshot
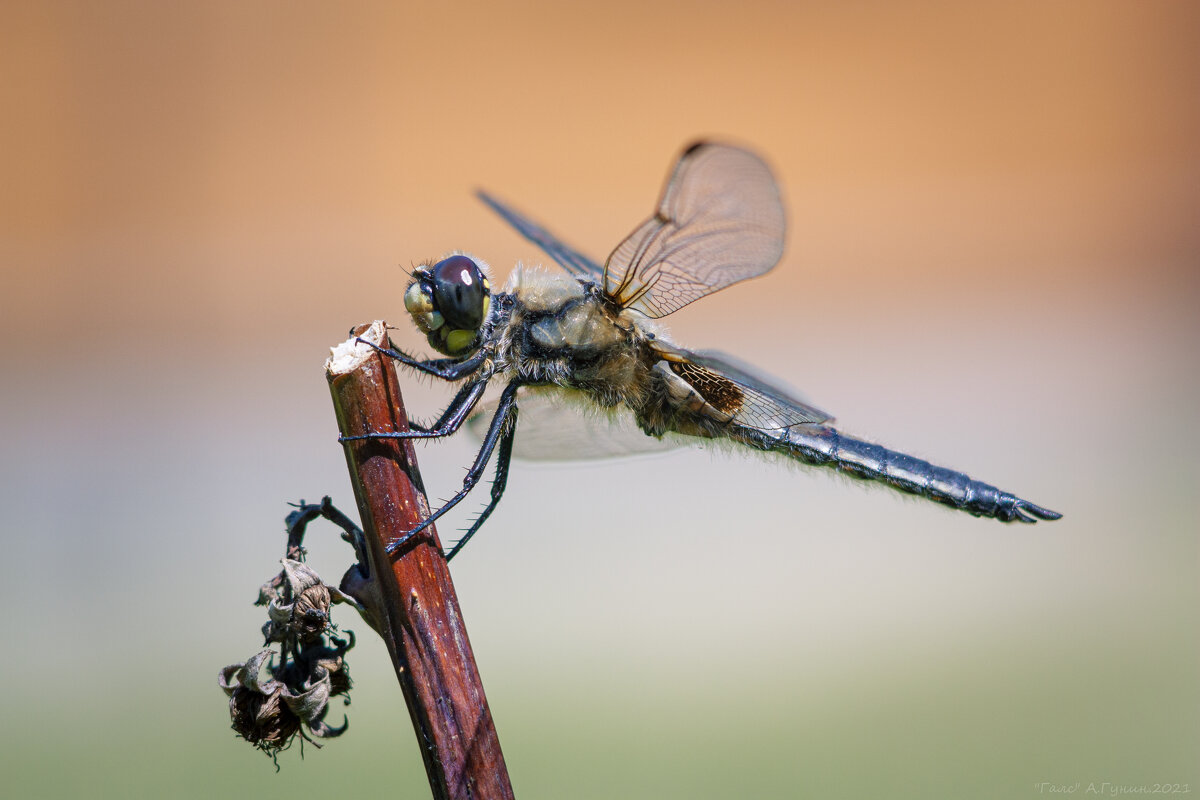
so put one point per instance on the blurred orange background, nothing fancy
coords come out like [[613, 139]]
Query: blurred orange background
[[992, 264]]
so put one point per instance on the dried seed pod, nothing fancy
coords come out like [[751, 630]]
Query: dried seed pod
[[257, 706], [307, 615], [279, 693]]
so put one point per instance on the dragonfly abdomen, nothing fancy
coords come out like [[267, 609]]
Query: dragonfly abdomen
[[821, 445]]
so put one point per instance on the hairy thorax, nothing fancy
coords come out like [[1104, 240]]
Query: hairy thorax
[[563, 332]]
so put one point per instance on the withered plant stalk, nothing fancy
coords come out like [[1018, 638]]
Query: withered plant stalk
[[410, 594]]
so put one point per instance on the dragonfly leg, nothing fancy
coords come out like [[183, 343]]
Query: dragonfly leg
[[504, 409], [503, 459], [448, 369], [449, 422]]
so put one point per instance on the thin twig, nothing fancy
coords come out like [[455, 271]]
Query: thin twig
[[413, 598]]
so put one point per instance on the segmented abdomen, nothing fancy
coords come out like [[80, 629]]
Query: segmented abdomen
[[821, 445]]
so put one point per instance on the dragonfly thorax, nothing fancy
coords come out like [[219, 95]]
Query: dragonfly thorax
[[563, 331]]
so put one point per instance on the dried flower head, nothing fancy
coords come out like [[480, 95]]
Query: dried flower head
[[260, 716], [273, 696], [298, 604]]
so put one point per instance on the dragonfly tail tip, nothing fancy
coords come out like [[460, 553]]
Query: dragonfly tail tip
[[1026, 511]]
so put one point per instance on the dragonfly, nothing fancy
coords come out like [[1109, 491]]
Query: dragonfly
[[589, 334]]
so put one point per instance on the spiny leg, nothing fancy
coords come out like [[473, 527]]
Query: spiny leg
[[503, 459], [506, 405], [448, 369], [450, 420]]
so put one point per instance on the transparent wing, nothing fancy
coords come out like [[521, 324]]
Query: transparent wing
[[732, 388], [766, 387], [570, 259], [552, 428], [720, 220]]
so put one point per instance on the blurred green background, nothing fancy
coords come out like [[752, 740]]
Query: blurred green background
[[992, 264]]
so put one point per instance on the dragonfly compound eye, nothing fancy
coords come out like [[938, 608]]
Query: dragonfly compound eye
[[418, 299], [460, 292]]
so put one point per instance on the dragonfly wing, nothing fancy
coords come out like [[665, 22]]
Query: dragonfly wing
[[740, 395], [751, 377], [552, 428], [720, 220], [570, 259]]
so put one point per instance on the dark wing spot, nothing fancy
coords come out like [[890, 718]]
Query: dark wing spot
[[720, 392]]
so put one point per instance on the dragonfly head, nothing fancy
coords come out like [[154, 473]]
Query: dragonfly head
[[449, 301]]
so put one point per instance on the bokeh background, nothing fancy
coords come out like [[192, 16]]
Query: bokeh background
[[992, 264]]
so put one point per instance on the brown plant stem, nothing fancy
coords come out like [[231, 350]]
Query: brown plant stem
[[410, 594]]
